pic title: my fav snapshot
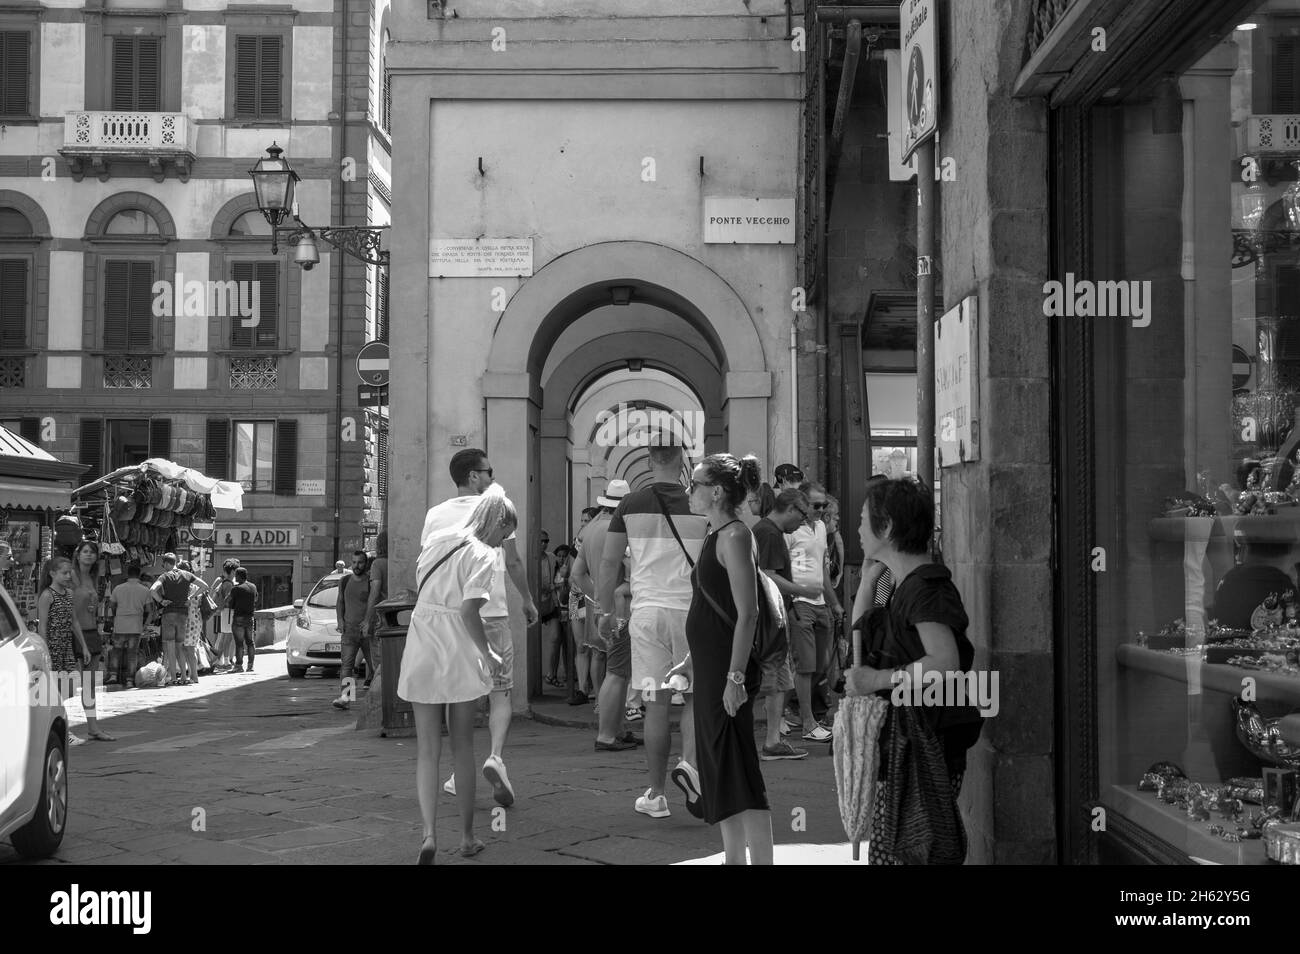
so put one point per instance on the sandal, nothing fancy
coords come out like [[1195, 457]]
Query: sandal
[[428, 851], [470, 850], [102, 736]]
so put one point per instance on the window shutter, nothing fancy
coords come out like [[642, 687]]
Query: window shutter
[[123, 72], [246, 76], [269, 77], [216, 462], [117, 291], [1286, 96], [381, 305], [286, 458], [160, 437], [90, 447], [13, 303], [140, 333], [148, 74], [15, 72], [382, 462], [268, 326], [128, 306], [240, 336], [386, 119], [29, 429]]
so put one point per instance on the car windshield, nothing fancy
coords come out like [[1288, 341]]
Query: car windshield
[[325, 595]]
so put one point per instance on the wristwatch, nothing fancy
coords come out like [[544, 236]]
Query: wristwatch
[[736, 676]]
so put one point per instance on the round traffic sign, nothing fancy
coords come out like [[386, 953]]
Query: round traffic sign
[[372, 364], [203, 530]]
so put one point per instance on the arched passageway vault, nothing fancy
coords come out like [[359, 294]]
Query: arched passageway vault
[[728, 377]]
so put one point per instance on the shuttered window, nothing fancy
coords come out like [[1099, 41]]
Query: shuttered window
[[128, 306], [14, 302], [259, 76], [1286, 74], [217, 451], [15, 72], [386, 111], [29, 429], [381, 305], [382, 462], [90, 446], [160, 437], [286, 458], [137, 73], [265, 278]]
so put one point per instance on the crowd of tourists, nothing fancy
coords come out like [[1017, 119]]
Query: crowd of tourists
[[667, 593]]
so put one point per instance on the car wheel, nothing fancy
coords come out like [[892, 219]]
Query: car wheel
[[297, 672], [41, 836]]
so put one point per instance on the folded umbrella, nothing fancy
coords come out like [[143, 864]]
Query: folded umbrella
[[856, 757]]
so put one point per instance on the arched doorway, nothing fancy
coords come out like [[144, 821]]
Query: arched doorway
[[728, 369]]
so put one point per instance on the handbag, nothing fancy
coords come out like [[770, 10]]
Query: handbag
[[921, 824], [207, 606]]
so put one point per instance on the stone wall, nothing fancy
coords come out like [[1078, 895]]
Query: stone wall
[[997, 511]]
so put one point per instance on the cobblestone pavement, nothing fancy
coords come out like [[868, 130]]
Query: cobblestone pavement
[[259, 769]]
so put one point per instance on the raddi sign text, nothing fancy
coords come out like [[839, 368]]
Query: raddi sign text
[[197, 299]]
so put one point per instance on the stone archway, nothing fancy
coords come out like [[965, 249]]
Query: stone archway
[[560, 293]]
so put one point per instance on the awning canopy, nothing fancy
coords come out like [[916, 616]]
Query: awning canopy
[[35, 494]]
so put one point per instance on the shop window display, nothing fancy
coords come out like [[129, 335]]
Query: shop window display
[[1196, 374]]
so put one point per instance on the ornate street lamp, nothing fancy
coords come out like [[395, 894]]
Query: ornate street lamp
[[274, 182]]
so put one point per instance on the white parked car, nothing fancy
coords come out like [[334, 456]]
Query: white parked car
[[314, 632], [33, 740]]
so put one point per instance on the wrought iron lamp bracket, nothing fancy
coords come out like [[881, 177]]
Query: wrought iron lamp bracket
[[360, 241]]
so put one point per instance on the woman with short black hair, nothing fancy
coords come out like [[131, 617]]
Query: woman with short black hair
[[920, 631]]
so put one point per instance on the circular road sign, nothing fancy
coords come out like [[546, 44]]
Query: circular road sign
[[372, 364]]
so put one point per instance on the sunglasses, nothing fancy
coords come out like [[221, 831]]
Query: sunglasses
[[820, 506], [482, 470], [803, 513]]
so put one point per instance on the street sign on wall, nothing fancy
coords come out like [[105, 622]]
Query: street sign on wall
[[956, 384], [748, 220], [920, 63]]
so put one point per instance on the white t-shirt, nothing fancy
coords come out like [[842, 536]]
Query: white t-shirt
[[456, 513], [807, 559], [467, 574]]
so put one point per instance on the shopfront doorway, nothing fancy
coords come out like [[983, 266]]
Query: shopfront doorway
[[274, 582]]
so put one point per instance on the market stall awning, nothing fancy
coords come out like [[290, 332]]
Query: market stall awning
[[35, 494], [22, 461]]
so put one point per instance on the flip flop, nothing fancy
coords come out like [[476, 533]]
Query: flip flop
[[470, 850], [428, 851], [103, 737]]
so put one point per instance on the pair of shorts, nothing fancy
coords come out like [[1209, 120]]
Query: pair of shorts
[[776, 676], [497, 630], [810, 638], [658, 637], [172, 628], [618, 658]]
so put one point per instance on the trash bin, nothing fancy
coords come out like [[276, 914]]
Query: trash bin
[[395, 613]]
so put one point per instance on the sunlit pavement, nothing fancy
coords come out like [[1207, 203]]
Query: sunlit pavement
[[800, 855], [260, 769]]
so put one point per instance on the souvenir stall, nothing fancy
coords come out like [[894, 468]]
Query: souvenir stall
[[34, 487]]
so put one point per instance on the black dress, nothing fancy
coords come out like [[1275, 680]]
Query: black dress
[[730, 778]]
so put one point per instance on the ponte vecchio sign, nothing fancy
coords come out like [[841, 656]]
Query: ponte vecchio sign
[[745, 220]]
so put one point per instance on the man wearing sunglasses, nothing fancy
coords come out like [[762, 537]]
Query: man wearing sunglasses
[[472, 474], [790, 511], [810, 616]]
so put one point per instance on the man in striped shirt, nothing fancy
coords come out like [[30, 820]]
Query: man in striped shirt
[[665, 540]]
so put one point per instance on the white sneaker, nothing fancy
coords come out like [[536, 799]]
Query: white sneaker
[[654, 807], [449, 786], [818, 734], [494, 770]]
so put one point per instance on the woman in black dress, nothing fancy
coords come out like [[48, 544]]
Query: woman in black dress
[[721, 638]]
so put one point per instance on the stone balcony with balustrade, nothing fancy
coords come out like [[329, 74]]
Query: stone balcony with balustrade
[[92, 139]]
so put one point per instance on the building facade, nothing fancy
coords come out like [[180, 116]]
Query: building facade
[[558, 166], [144, 314]]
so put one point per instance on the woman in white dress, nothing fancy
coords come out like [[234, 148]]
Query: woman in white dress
[[448, 664]]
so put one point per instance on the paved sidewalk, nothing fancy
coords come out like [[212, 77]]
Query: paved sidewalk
[[259, 769]]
